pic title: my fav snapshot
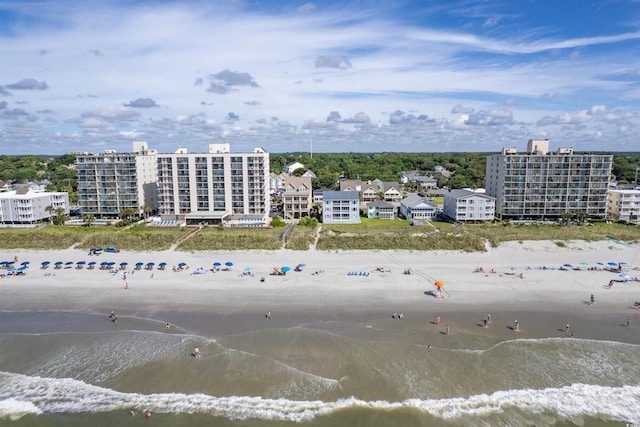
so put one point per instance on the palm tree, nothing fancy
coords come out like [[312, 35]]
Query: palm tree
[[146, 211], [88, 219], [50, 209]]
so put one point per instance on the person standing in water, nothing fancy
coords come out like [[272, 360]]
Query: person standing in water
[[516, 325]]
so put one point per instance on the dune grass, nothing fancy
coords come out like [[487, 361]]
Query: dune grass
[[371, 234], [232, 239]]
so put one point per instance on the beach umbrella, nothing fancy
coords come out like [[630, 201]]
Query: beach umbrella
[[124, 264], [81, 262], [92, 263], [182, 264], [612, 264], [584, 263], [514, 269], [24, 263], [217, 264], [68, 263], [46, 262], [228, 263], [568, 265], [162, 264], [139, 264], [151, 264], [248, 269], [285, 269], [439, 284]]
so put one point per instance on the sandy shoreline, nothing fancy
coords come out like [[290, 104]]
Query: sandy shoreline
[[333, 295]]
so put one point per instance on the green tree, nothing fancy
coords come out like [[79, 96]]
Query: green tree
[[88, 219], [50, 209]]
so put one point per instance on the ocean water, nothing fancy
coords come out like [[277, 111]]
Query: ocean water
[[79, 369]]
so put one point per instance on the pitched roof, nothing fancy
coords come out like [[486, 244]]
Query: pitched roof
[[341, 195]]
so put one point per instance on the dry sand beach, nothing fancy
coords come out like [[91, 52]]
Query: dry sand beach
[[328, 322]]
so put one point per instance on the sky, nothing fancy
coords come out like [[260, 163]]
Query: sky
[[319, 76]]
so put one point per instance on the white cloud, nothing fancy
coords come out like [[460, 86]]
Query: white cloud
[[302, 65]]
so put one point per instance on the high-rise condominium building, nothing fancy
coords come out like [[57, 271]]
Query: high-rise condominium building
[[214, 185], [110, 182], [544, 185]]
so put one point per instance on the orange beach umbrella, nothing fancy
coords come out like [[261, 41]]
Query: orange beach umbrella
[[439, 284]]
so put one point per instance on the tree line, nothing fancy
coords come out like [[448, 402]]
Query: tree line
[[467, 169]]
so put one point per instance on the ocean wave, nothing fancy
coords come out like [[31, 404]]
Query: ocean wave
[[21, 395]]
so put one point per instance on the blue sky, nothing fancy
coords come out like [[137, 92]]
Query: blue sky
[[356, 76]]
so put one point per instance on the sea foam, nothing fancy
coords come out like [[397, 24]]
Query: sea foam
[[21, 395]]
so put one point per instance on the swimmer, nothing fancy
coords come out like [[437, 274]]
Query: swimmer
[[196, 352], [167, 326], [268, 315]]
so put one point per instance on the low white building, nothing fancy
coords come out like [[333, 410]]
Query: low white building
[[624, 205], [416, 207], [381, 209], [27, 207], [340, 207], [465, 205]]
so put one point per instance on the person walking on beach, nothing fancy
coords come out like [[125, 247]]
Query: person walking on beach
[[628, 323], [566, 329], [268, 315], [446, 332], [516, 326], [593, 299], [438, 319]]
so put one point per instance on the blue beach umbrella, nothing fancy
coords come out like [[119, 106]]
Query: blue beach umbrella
[[46, 262], [285, 269], [228, 263], [68, 263], [81, 262], [217, 264], [163, 264], [139, 264], [182, 264], [92, 263], [25, 263], [612, 264]]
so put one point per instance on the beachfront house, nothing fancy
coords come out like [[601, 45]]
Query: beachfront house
[[381, 209], [467, 206], [341, 207], [297, 197], [416, 207]]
